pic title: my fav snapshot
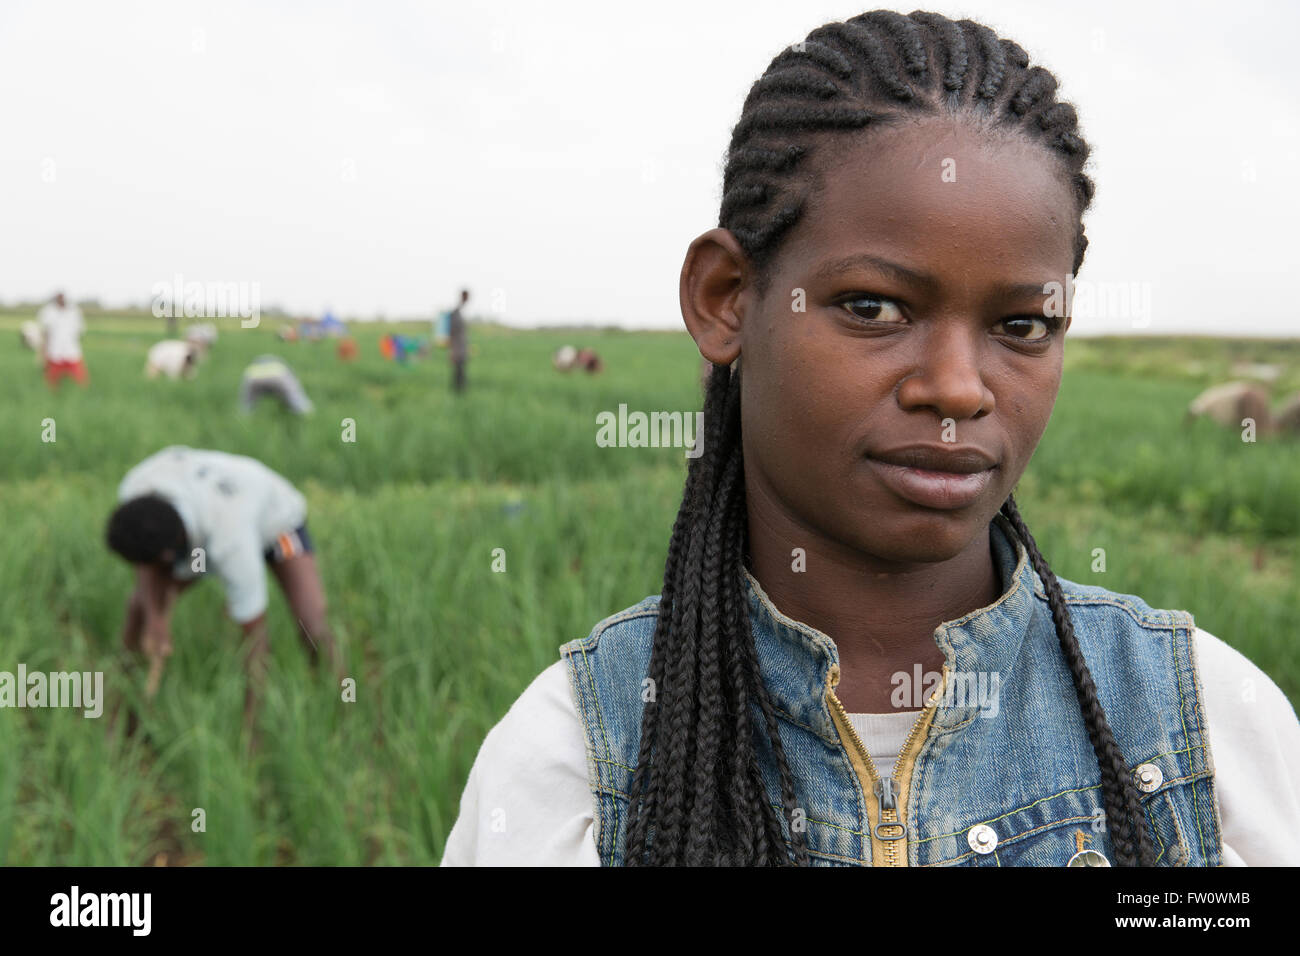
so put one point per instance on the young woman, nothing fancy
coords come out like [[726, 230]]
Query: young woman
[[900, 195]]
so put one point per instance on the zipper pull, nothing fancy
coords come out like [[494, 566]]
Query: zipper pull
[[885, 791], [888, 798]]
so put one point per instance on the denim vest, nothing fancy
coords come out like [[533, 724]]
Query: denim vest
[[1009, 779]]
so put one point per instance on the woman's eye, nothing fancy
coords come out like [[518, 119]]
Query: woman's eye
[[1028, 328], [873, 308]]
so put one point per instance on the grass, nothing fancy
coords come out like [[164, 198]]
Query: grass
[[405, 521]]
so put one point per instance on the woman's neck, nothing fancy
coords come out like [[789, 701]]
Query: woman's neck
[[881, 616]]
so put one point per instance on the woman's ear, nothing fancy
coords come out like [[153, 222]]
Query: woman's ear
[[714, 276]]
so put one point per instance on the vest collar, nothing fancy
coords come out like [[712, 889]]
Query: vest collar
[[981, 646]]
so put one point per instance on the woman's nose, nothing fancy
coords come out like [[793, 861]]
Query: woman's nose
[[947, 377]]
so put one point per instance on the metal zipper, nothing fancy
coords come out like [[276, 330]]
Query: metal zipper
[[888, 822]]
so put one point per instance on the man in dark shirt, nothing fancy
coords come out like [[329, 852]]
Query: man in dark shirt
[[457, 346]]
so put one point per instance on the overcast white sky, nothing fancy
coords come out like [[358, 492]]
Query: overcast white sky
[[558, 157]]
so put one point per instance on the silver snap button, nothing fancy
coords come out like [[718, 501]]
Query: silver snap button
[[1088, 858], [982, 839], [1149, 777]]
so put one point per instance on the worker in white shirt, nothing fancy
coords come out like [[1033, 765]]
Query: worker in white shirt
[[62, 325], [172, 357], [185, 512]]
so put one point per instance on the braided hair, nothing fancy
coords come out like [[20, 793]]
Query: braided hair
[[697, 796]]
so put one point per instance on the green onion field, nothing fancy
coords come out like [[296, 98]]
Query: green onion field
[[405, 521]]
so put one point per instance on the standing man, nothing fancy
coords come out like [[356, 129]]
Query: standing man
[[457, 346], [62, 325], [185, 512]]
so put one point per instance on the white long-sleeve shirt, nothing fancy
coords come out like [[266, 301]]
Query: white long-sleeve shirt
[[63, 328], [233, 508], [528, 800]]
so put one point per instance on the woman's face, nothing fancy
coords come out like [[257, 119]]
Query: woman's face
[[895, 413]]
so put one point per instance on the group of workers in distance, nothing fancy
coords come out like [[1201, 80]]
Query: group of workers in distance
[[184, 514]]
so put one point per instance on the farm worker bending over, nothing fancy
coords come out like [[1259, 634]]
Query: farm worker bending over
[[185, 512], [268, 375], [173, 358]]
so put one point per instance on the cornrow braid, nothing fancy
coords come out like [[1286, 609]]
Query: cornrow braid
[[871, 50], [705, 799], [992, 59], [1123, 811], [951, 48], [697, 796], [874, 69]]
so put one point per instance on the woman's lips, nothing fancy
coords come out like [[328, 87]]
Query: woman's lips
[[946, 490]]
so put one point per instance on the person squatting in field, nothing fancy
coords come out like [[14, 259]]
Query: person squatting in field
[[897, 193], [187, 512]]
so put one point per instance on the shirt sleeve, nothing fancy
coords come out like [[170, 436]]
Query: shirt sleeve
[[235, 556], [1255, 746], [528, 801]]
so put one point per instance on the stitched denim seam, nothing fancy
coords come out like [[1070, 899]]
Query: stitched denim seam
[[575, 687], [613, 791], [615, 763], [591, 640], [591, 682], [1207, 752], [940, 836], [866, 846], [1151, 824], [1173, 753], [1200, 734], [826, 823], [810, 636], [1012, 839], [642, 609], [1178, 830], [1017, 575], [955, 727], [791, 719], [832, 856], [1157, 620], [1164, 788], [605, 739]]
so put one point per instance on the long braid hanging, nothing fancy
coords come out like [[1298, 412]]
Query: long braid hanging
[[697, 795], [706, 800], [1123, 809]]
